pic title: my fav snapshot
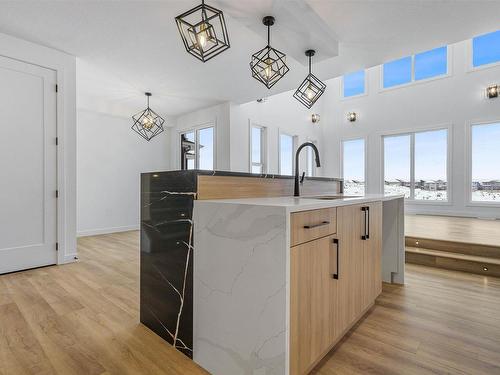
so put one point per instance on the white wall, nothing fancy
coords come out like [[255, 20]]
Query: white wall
[[65, 67], [217, 116], [109, 162], [279, 113], [455, 101]]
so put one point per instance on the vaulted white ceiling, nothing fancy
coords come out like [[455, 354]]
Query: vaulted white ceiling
[[127, 47]]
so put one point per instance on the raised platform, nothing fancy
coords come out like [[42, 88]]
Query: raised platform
[[461, 244]]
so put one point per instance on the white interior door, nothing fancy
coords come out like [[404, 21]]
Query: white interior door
[[28, 170]]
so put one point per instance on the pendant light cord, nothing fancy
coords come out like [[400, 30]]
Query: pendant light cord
[[203, 11], [148, 101], [268, 35], [310, 57]]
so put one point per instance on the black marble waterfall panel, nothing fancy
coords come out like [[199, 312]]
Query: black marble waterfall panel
[[167, 256]]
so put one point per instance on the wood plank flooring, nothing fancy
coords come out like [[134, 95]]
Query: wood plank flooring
[[456, 229], [83, 318]]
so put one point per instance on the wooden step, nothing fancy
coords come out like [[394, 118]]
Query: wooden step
[[453, 261], [467, 248]]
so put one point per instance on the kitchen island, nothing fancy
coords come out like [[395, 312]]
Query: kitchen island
[[167, 251], [226, 272], [279, 281]]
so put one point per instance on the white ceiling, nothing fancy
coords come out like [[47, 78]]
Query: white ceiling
[[127, 47]]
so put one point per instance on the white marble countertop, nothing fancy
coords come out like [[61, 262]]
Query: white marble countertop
[[295, 204]]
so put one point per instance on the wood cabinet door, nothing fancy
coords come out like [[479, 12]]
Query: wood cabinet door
[[349, 301], [373, 252], [371, 220], [311, 289]]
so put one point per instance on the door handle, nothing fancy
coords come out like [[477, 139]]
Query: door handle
[[316, 225], [336, 274], [366, 211]]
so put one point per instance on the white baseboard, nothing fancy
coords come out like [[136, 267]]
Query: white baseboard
[[94, 232], [412, 211]]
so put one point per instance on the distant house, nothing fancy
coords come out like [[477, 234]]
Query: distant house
[[489, 185], [404, 183], [434, 185]]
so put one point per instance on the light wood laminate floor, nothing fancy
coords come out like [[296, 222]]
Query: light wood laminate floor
[[83, 318], [457, 229]]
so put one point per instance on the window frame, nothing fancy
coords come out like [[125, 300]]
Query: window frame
[[449, 168], [365, 93], [196, 129], [413, 82], [341, 148], [294, 149], [468, 151], [263, 147]]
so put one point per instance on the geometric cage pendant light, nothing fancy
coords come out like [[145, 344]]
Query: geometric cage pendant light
[[268, 65], [311, 88], [203, 31], [147, 123]]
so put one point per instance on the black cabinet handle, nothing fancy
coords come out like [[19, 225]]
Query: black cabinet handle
[[316, 225], [336, 275], [366, 210]]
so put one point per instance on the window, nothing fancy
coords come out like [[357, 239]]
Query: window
[[431, 165], [425, 65], [416, 165], [206, 148], [430, 64], [286, 146], [197, 149], [257, 149], [188, 150], [397, 165], [354, 84], [486, 49], [397, 72], [485, 153], [353, 166], [311, 161]]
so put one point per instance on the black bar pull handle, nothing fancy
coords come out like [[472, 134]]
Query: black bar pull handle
[[366, 210], [336, 275], [316, 225]]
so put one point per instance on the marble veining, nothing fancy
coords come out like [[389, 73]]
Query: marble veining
[[168, 258], [240, 271]]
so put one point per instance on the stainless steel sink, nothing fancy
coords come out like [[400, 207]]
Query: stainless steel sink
[[332, 197]]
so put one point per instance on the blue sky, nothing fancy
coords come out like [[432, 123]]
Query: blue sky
[[486, 152], [486, 48], [426, 65], [256, 144], [397, 72], [354, 83], [397, 158], [431, 63], [207, 151], [286, 154], [430, 155], [354, 159]]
